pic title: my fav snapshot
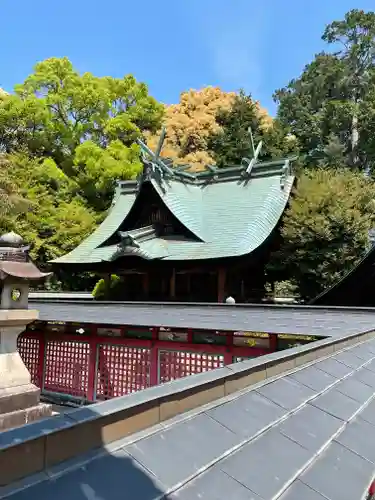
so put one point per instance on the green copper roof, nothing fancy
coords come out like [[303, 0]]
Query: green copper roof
[[122, 202], [230, 212]]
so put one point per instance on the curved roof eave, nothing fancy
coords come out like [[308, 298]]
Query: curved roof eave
[[370, 253], [274, 208], [22, 270], [117, 213]]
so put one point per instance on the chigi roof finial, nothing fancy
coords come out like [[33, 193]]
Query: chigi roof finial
[[255, 152], [154, 158]]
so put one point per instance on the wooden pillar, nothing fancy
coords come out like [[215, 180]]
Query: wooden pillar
[[146, 285], [242, 291], [172, 285], [154, 358], [221, 277], [92, 368], [273, 342]]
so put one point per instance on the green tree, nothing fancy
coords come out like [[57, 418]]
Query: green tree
[[303, 105], [55, 220], [65, 138], [97, 168], [326, 103], [325, 230], [356, 35], [79, 108], [23, 125], [86, 125], [194, 121], [12, 203], [232, 142], [367, 135], [104, 290]]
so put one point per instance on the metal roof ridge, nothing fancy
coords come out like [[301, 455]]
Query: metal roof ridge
[[211, 173], [209, 178], [158, 169], [127, 183]]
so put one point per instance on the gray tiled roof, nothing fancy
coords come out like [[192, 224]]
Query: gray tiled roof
[[273, 319], [307, 435]]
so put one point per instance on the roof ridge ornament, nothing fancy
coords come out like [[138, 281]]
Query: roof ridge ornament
[[249, 164], [156, 162]]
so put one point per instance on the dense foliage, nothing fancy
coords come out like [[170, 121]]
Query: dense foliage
[[231, 142], [326, 228], [66, 137], [198, 118], [330, 106], [330, 109]]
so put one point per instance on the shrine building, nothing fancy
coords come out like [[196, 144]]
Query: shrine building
[[182, 236]]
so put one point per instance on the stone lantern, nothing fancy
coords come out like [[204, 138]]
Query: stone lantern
[[19, 398]]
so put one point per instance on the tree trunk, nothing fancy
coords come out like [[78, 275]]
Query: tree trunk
[[354, 138]]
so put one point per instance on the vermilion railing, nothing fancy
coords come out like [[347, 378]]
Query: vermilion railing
[[94, 363]]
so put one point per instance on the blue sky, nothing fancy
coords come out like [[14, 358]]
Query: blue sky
[[172, 45]]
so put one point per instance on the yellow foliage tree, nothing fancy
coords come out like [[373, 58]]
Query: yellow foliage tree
[[190, 124]]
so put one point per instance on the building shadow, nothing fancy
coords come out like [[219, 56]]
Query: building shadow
[[109, 473]]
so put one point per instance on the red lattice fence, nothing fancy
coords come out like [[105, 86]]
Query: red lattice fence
[[105, 363], [29, 347], [122, 370], [177, 364], [66, 367]]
